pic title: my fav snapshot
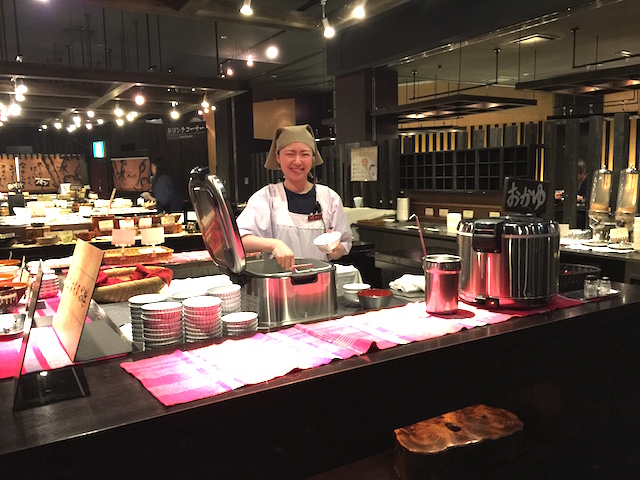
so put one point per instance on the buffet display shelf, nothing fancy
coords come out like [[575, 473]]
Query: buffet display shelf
[[311, 421]]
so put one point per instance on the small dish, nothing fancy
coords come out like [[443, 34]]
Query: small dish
[[350, 291]]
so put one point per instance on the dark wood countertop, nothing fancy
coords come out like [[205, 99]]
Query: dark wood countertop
[[307, 421]]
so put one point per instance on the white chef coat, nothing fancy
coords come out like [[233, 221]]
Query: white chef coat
[[267, 215]]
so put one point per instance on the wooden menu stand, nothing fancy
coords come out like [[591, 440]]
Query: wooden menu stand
[[440, 447]]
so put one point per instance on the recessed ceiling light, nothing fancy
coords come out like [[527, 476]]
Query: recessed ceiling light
[[533, 39]]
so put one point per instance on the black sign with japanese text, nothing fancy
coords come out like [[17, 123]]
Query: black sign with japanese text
[[522, 195], [188, 130]]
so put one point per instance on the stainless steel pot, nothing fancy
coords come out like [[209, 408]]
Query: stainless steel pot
[[511, 261], [278, 297], [282, 298]]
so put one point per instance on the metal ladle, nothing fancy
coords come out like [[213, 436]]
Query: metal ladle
[[424, 249]]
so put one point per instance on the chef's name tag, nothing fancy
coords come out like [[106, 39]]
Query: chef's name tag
[[314, 217]]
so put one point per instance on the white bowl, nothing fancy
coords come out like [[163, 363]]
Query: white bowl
[[350, 291], [327, 242]]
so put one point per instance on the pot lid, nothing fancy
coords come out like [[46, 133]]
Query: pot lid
[[216, 219]]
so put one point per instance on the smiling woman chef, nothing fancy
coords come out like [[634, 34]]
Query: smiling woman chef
[[284, 218]]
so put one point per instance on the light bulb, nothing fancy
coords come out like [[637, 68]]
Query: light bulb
[[119, 122], [139, 99], [21, 87], [91, 113], [174, 114], [76, 120], [249, 61], [328, 29], [118, 111], [272, 52], [229, 71], [358, 12], [19, 97], [100, 121], [246, 8], [14, 109], [58, 125], [44, 126], [89, 126], [204, 103]]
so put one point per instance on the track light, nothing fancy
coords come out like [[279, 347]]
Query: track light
[[229, 71], [89, 126], [118, 111], [91, 113], [205, 103], [358, 11], [19, 97], [249, 61], [328, 29], [14, 109], [119, 122], [58, 125], [139, 99], [246, 8]]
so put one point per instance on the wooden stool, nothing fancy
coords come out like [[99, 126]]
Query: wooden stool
[[441, 446]]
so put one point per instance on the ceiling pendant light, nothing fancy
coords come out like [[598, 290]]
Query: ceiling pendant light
[[249, 61], [20, 87], [246, 8]]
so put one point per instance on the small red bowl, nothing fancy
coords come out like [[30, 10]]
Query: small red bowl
[[375, 298]]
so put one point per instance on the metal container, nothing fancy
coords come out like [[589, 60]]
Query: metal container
[[441, 274], [511, 261], [279, 297]]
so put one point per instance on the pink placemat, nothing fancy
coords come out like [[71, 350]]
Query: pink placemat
[[182, 377]]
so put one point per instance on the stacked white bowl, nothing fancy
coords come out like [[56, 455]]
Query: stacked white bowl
[[50, 286], [162, 324], [201, 317], [240, 323], [351, 292], [135, 308], [231, 296]]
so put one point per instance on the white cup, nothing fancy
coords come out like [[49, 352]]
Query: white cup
[[358, 202]]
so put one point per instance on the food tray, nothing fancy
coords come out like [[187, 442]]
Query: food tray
[[572, 276], [121, 292], [133, 255]]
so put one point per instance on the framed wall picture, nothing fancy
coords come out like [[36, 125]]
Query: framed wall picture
[[364, 164], [131, 174]]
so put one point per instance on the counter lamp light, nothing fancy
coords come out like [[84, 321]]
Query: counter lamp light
[[246, 8]]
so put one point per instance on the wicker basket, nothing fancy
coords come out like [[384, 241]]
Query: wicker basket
[[121, 292], [572, 276]]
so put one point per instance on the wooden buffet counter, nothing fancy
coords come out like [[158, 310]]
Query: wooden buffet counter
[[568, 374]]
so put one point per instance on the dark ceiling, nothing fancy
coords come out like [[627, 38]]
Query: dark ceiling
[[81, 54]]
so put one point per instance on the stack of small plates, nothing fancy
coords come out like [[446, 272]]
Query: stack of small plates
[[231, 296], [50, 286], [240, 323], [135, 308], [201, 316], [183, 295], [162, 323]]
